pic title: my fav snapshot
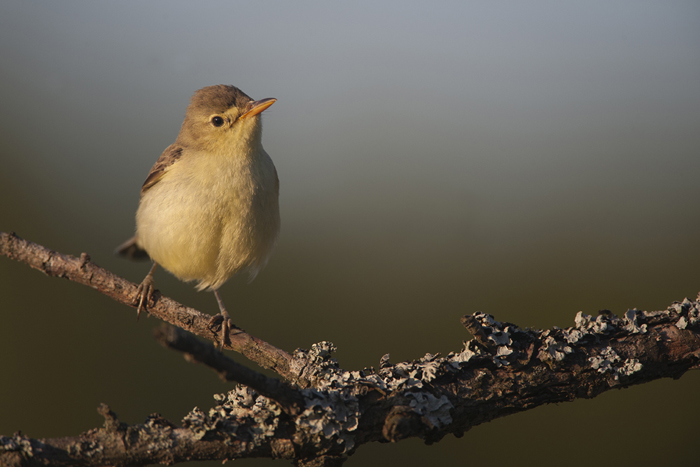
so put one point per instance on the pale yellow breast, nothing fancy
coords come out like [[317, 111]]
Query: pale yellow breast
[[211, 216]]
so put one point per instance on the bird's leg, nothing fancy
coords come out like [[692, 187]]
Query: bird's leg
[[225, 322], [145, 290]]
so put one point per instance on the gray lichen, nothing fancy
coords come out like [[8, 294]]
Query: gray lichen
[[199, 423], [587, 324], [18, 443], [158, 432], [558, 343], [609, 361], [86, 449], [689, 313], [330, 414], [630, 366], [496, 337], [435, 410], [240, 413], [471, 350], [552, 349], [605, 361], [631, 324], [332, 408]]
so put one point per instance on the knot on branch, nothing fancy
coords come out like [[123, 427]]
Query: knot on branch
[[402, 422], [424, 416], [112, 423]]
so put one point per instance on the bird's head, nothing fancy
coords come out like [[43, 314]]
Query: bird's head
[[223, 119]]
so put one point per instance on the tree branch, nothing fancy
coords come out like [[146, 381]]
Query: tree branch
[[504, 370], [207, 354], [83, 271]]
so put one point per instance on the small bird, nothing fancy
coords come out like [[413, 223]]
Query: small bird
[[209, 207]]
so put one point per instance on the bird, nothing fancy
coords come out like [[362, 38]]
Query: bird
[[209, 208]]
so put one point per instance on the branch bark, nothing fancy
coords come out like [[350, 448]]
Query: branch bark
[[503, 370], [289, 399], [83, 271]]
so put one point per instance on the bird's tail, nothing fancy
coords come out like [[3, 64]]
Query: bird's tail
[[131, 250]]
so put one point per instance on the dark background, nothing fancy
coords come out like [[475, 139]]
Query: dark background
[[525, 159]]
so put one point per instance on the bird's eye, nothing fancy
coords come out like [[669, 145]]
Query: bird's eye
[[217, 121]]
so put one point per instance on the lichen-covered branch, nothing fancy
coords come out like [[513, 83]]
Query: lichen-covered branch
[[503, 370]]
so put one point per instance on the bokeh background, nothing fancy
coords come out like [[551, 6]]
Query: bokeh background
[[525, 159]]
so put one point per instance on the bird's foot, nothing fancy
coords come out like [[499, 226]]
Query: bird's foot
[[221, 326], [144, 294]]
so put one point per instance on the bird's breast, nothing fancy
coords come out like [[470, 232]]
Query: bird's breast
[[211, 216]]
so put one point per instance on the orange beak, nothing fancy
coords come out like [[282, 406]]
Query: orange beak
[[255, 107]]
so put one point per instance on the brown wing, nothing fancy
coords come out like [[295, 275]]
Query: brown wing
[[171, 154]]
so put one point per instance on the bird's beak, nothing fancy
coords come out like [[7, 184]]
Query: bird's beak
[[255, 107]]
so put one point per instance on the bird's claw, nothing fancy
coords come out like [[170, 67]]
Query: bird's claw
[[144, 295], [221, 326]]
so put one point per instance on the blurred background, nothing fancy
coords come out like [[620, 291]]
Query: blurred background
[[525, 159]]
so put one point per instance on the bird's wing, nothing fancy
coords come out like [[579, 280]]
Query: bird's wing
[[171, 154]]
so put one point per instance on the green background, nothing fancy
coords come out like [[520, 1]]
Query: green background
[[525, 159]]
